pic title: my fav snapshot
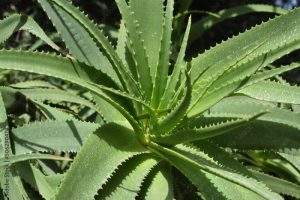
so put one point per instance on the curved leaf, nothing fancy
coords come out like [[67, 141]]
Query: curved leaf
[[204, 132], [124, 76], [174, 78], [105, 149], [162, 69], [51, 136], [293, 159], [32, 84], [198, 28], [267, 74], [23, 157], [154, 29], [77, 39], [126, 182], [260, 47], [52, 113], [63, 68], [272, 91], [17, 22], [56, 95], [138, 48], [275, 130], [191, 164], [175, 116], [36, 179], [278, 185], [158, 184]]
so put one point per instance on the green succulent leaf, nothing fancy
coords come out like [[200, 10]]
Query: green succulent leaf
[[275, 130], [16, 188], [267, 74], [273, 91], [77, 39], [249, 40], [158, 184], [229, 190], [56, 96], [98, 36], [151, 28], [218, 86], [51, 136], [177, 115], [52, 113], [221, 156], [161, 75], [126, 182], [3, 128], [137, 45], [33, 84], [17, 22], [174, 79], [110, 144], [206, 23], [121, 118], [125, 77], [122, 43], [278, 185], [31, 156], [238, 64], [109, 113], [192, 163], [293, 159], [36, 179], [205, 132], [10, 183], [51, 65]]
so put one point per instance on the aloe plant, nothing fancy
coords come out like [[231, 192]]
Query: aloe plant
[[151, 117]]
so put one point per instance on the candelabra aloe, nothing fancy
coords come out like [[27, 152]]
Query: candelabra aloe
[[153, 119]]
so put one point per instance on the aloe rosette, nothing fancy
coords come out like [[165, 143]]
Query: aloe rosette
[[153, 119]]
